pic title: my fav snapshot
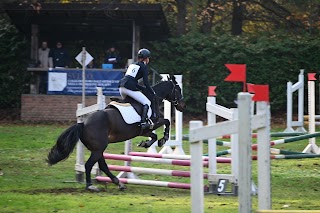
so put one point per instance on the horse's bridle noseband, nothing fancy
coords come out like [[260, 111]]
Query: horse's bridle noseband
[[175, 100]]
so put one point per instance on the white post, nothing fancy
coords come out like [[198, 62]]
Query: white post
[[301, 102], [312, 110], [264, 163], [79, 153], [235, 150], [179, 122], [312, 147], [212, 146], [289, 108], [244, 129], [290, 90], [196, 151], [83, 77]]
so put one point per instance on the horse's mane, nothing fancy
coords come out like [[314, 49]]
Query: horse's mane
[[160, 84]]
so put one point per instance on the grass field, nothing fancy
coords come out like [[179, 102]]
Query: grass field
[[27, 184]]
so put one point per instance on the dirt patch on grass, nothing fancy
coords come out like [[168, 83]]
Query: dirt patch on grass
[[56, 191]]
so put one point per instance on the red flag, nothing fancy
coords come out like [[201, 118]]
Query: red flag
[[238, 72], [250, 87], [312, 77], [211, 90], [261, 93]]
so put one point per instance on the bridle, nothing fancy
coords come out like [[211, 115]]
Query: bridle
[[175, 100]]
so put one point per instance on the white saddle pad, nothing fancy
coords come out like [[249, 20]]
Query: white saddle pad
[[128, 113]]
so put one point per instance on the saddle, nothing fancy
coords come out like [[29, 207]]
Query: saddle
[[130, 109], [126, 102]]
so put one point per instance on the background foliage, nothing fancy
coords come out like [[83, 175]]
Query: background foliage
[[275, 38], [272, 60], [13, 56]]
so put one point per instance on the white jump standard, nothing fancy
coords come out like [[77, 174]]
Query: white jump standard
[[243, 126]]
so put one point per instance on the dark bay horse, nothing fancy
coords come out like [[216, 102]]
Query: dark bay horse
[[107, 126]]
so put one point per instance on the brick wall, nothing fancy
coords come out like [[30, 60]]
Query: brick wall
[[52, 107]]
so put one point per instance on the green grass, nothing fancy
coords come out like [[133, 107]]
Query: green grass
[[27, 184]]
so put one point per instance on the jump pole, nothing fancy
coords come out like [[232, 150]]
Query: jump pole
[[177, 142], [141, 170], [312, 146], [147, 182], [151, 160], [180, 157]]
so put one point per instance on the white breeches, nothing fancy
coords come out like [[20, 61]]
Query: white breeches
[[136, 95]]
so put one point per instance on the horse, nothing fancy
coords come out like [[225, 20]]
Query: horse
[[108, 126]]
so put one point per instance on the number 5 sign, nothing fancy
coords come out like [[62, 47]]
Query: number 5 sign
[[222, 185]]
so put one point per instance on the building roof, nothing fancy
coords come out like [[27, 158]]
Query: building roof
[[90, 21]]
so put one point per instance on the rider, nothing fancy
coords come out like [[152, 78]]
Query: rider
[[129, 85]]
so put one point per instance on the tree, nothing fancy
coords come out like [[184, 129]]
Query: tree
[[237, 17], [181, 17]]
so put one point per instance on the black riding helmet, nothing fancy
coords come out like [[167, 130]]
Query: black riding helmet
[[144, 53]]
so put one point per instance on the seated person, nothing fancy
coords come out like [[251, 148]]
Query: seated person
[[112, 57]]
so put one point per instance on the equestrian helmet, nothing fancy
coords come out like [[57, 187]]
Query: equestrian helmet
[[144, 53]]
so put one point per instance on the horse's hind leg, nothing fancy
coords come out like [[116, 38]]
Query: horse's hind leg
[[104, 167], [94, 157]]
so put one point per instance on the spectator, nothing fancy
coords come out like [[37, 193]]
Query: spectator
[[59, 56], [112, 57], [43, 55]]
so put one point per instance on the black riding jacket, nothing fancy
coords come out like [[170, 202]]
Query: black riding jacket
[[135, 72]]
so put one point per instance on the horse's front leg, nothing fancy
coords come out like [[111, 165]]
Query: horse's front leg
[[147, 144], [166, 132]]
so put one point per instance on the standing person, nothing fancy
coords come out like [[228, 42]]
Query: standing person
[[129, 86], [43, 55], [112, 57], [59, 56]]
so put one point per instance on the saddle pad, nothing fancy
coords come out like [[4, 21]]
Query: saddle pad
[[128, 113]]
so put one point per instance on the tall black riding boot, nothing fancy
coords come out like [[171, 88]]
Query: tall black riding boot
[[144, 117], [155, 109]]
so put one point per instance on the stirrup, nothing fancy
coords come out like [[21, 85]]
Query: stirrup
[[145, 125], [148, 124]]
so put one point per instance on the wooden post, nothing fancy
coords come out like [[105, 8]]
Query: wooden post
[[34, 86]]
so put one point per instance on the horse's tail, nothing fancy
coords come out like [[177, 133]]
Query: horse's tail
[[65, 144]]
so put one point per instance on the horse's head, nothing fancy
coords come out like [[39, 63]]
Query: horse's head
[[175, 96]]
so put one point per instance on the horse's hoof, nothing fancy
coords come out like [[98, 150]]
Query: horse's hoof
[[122, 187], [93, 188], [161, 142], [143, 144]]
